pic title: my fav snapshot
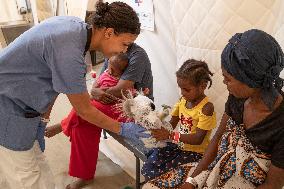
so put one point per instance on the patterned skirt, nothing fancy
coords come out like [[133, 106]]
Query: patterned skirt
[[172, 179], [238, 165], [169, 166]]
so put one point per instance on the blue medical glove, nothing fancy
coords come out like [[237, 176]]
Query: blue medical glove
[[133, 131]]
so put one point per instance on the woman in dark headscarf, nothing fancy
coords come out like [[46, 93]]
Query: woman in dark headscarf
[[247, 151]]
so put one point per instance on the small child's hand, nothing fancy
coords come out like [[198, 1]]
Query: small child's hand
[[146, 91], [160, 134]]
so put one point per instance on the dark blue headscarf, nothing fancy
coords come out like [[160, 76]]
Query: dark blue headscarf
[[256, 59]]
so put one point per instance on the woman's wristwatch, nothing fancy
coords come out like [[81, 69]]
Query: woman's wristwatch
[[192, 181]]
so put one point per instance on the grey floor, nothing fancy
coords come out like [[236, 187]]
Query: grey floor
[[108, 174]]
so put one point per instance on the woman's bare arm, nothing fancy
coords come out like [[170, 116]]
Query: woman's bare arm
[[211, 152]]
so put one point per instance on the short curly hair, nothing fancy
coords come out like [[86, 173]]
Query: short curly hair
[[117, 15]]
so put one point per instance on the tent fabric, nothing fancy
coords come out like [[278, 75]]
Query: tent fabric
[[202, 28]]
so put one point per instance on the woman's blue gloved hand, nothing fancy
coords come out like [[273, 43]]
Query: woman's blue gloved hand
[[133, 131]]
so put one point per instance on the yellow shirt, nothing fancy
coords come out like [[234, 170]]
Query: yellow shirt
[[192, 118]]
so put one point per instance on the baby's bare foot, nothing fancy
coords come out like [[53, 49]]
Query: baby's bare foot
[[52, 130], [80, 183]]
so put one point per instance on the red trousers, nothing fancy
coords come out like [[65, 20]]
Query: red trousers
[[85, 139]]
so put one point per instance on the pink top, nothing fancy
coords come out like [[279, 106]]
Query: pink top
[[107, 80], [73, 120]]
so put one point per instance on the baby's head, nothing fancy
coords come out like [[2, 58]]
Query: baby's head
[[117, 64], [192, 78]]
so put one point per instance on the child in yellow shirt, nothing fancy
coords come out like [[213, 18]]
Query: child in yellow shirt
[[197, 119]]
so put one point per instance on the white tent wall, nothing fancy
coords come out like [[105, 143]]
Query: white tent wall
[[160, 48], [202, 28]]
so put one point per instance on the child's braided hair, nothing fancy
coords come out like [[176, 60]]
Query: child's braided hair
[[195, 71]]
